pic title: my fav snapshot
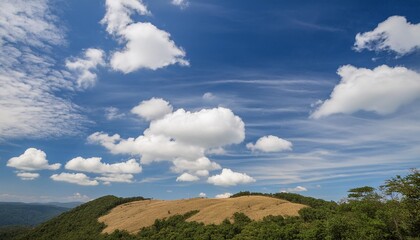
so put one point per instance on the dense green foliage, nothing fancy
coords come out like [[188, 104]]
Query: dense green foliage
[[13, 232], [392, 213], [24, 214], [79, 223]]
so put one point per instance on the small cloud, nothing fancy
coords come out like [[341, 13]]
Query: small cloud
[[202, 195], [391, 35], [152, 109], [208, 96], [270, 144], [84, 67], [295, 189], [27, 175], [180, 3], [112, 113], [186, 177], [223, 195], [75, 178], [230, 178], [32, 160]]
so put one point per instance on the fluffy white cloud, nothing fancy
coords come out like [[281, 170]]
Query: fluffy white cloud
[[208, 128], [152, 109], [147, 47], [382, 90], [31, 160], [199, 167], [76, 178], [94, 165], [27, 175], [84, 67], [118, 14], [202, 195], [186, 177], [180, 137], [115, 177], [223, 195], [270, 144], [230, 178], [30, 75], [295, 189], [112, 113], [395, 34]]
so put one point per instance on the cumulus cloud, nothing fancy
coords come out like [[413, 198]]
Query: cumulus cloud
[[146, 45], [186, 177], [112, 113], [30, 77], [270, 144], [223, 195], [180, 3], [152, 109], [180, 137], [207, 128], [382, 90], [94, 165], [27, 175], [394, 34], [230, 178], [75, 178], [32, 160], [84, 67], [202, 195], [295, 189]]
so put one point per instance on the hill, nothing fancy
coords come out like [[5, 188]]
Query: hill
[[135, 215], [27, 214]]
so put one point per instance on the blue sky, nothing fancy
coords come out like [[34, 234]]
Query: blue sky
[[206, 97]]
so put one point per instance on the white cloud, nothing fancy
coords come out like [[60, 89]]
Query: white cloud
[[202, 195], [382, 90], [295, 189], [147, 47], [118, 14], [32, 160], [107, 178], [186, 177], [223, 195], [30, 76], [180, 3], [76, 178], [84, 67], [208, 96], [270, 144], [27, 175], [112, 113], [394, 34], [94, 165], [200, 167], [152, 109], [208, 128], [180, 137], [230, 178]]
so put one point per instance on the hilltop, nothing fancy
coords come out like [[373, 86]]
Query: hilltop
[[135, 215]]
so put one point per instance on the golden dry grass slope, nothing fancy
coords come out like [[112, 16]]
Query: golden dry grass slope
[[135, 215]]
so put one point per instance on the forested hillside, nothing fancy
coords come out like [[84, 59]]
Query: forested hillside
[[390, 212]]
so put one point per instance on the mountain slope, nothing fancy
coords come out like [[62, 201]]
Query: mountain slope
[[135, 215]]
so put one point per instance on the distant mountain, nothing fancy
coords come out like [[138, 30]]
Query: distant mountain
[[27, 214]]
